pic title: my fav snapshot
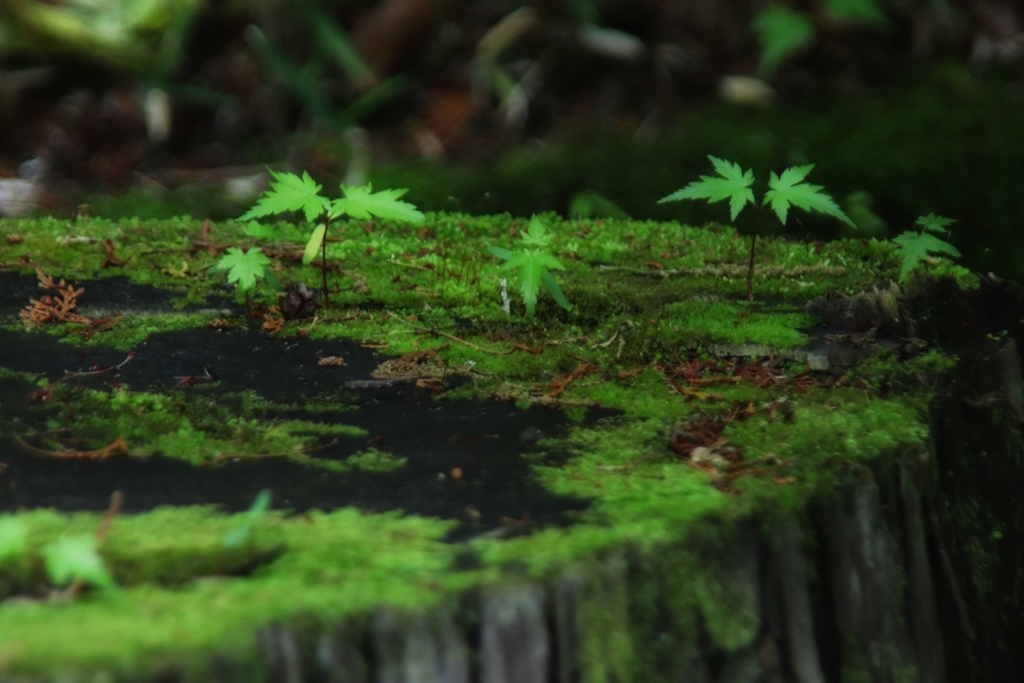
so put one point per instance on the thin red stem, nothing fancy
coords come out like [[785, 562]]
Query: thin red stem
[[750, 265], [323, 261]]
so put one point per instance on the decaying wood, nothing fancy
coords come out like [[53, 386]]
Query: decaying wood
[[862, 578], [873, 598]]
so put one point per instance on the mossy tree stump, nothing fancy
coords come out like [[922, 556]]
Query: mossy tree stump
[[665, 483]]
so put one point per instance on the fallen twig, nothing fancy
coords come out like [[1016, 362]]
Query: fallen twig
[[429, 330], [117, 447]]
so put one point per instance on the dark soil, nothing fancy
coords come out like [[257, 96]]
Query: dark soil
[[485, 440]]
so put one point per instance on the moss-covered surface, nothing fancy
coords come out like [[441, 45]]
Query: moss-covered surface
[[685, 442], [949, 144]]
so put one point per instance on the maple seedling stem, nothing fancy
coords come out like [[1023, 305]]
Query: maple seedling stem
[[323, 261], [753, 248], [750, 269]]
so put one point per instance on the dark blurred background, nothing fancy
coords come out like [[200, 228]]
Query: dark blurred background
[[153, 108]]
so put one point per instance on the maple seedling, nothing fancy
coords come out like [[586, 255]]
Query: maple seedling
[[244, 531], [784, 190], [76, 558], [916, 246], [290, 192], [534, 263]]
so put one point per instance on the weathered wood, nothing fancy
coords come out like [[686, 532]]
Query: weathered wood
[[281, 654], [876, 579], [791, 569], [871, 605], [867, 586], [924, 619], [412, 647], [515, 645], [340, 657]]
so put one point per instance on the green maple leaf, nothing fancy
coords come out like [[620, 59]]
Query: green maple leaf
[[788, 188], [244, 267], [933, 223], [536, 234], [552, 284], [76, 558], [290, 193], [362, 202], [916, 246], [734, 185]]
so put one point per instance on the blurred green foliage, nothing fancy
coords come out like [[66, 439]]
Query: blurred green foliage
[[140, 36], [783, 31], [330, 51]]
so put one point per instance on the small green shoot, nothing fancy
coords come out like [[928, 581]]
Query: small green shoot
[[916, 246], [784, 190], [534, 263], [290, 192], [243, 532], [76, 559]]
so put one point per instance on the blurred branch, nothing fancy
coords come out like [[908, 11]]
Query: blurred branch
[[391, 31]]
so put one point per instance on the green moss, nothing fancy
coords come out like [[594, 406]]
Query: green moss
[[368, 560], [608, 651], [645, 395], [839, 425], [374, 460], [200, 428], [132, 329], [729, 608], [168, 546], [704, 321], [444, 264], [916, 378]]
